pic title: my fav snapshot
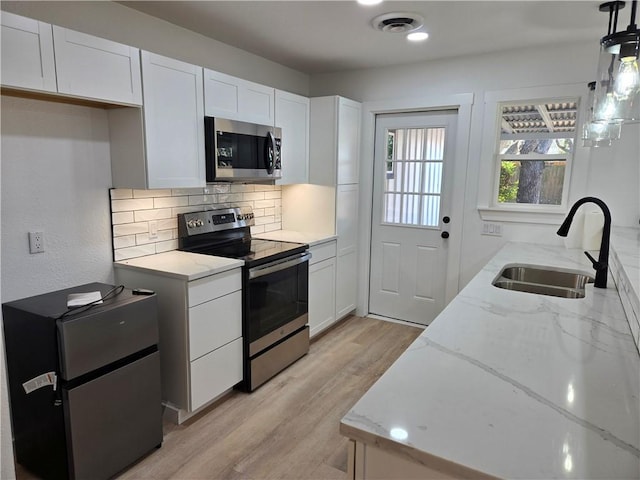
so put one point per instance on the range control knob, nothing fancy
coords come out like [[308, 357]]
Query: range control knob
[[199, 223]]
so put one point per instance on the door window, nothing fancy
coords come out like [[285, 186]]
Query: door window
[[413, 177]]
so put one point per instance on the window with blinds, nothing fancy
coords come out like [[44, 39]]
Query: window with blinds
[[413, 177]]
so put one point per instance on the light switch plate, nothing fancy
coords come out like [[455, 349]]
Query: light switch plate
[[492, 229]]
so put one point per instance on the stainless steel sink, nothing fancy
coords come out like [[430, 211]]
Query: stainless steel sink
[[543, 281]]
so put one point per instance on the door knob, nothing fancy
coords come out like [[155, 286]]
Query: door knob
[[444, 234], [446, 219]]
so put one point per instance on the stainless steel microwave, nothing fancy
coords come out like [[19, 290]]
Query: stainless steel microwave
[[240, 151]]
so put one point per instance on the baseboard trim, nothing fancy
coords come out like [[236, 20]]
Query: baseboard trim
[[394, 320]]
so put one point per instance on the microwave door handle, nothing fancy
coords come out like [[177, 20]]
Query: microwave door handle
[[269, 154]]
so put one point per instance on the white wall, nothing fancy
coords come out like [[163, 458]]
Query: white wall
[[122, 24], [614, 176], [533, 67], [56, 172]]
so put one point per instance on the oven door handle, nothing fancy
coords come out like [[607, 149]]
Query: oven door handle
[[277, 266]]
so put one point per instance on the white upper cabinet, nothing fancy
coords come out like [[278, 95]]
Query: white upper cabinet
[[349, 114], [41, 57], [27, 54], [334, 141], [292, 116], [173, 122], [237, 99], [93, 67]]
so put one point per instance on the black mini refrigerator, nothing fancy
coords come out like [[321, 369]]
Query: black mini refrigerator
[[84, 383]]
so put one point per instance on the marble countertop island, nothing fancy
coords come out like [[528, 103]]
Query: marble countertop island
[[514, 385]]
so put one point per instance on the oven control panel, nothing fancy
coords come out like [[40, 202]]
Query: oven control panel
[[196, 223]]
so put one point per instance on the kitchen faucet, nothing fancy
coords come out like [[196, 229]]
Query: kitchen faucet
[[602, 264]]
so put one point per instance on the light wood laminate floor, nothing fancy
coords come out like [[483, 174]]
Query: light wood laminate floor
[[288, 428]]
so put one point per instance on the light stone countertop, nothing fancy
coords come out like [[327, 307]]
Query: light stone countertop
[[178, 264], [310, 239], [514, 385]]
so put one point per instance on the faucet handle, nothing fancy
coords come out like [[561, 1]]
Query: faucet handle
[[596, 264]]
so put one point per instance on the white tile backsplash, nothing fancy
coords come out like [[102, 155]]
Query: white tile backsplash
[[132, 210], [164, 202], [131, 205], [121, 217]]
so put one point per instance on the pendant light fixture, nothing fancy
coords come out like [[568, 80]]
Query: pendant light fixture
[[597, 134], [617, 92]]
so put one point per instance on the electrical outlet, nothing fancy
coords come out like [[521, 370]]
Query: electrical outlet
[[36, 242], [492, 229]]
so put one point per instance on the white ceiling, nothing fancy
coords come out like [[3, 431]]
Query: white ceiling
[[328, 36]]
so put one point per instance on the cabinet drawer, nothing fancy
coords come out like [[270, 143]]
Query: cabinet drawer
[[214, 286], [322, 252], [214, 323], [215, 373]]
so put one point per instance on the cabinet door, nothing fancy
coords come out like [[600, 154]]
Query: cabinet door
[[292, 116], [347, 231], [221, 95], [237, 99], [257, 103], [27, 54], [174, 122], [346, 284], [322, 295], [347, 218], [349, 113], [93, 67]]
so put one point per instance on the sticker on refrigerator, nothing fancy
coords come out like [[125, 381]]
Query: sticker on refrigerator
[[40, 381]]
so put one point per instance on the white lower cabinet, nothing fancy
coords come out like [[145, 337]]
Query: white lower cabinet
[[346, 283], [347, 256], [367, 462], [200, 326], [322, 287]]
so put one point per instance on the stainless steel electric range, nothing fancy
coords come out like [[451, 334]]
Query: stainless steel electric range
[[275, 288]]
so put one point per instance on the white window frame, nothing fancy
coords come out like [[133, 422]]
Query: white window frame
[[488, 206]]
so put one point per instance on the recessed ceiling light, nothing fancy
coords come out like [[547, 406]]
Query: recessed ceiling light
[[369, 2], [417, 36]]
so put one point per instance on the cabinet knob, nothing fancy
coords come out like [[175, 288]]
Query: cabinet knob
[[444, 234]]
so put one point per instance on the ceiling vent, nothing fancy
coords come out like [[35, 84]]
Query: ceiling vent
[[398, 22]]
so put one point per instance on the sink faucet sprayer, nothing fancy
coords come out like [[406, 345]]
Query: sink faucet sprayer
[[602, 264]]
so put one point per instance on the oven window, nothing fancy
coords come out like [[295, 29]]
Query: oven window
[[276, 299]]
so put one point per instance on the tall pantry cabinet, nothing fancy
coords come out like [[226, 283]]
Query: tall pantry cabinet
[[333, 161]]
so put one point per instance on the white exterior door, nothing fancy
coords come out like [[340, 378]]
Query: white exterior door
[[411, 204]]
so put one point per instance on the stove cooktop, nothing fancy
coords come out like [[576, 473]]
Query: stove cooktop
[[254, 251], [227, 233]]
